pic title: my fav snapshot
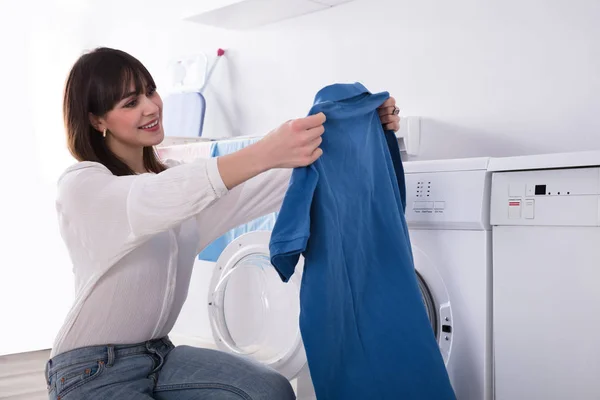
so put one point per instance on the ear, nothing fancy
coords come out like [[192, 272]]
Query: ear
[[97, 122]]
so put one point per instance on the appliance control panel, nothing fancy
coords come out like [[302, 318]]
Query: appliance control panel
[[559, 197], [454, 199], [424, 203]]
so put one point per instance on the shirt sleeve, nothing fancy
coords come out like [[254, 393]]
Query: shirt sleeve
[[292, 230], [254, 198], [113, 214]]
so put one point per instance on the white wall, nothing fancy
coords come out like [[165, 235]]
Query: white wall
[[490, 78], [503, 77], [36, 284]]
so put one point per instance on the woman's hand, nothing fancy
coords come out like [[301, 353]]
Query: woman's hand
[[388, 113], [295, 143]]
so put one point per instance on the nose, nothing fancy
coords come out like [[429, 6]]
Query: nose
[[150, 107]]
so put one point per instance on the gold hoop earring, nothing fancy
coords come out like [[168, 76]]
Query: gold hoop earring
[[104, 133]]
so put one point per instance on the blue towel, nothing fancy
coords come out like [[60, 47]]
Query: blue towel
[[214, 250], [363, 322]]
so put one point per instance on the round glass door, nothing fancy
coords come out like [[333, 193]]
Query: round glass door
[[429, 304], [253, 312], [436, 300]]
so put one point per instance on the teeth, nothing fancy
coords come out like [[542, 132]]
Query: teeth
[[150, 126]]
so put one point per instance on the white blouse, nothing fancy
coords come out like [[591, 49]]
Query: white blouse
[[133, 241]]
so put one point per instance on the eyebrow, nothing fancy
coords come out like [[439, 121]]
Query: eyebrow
[[129, 95]]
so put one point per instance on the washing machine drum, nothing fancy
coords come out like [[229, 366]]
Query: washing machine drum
[[252, 312]]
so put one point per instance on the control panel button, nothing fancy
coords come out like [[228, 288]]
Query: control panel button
[[514, 209], [439, 205], [529, 212], [423, 205]]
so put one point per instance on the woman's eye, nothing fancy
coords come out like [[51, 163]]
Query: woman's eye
[[131, 104]]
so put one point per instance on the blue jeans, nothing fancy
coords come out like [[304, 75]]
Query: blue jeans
[[158, 370]]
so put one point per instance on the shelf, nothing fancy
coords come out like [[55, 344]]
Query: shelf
[[248, 14]]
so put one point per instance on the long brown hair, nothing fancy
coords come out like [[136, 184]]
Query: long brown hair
[[96, 83]]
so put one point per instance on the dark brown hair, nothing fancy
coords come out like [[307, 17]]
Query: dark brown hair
[[97, 82]]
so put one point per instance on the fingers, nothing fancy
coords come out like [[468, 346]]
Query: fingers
[[385, 111], [387, 119], [307, 123], [313, 151], [395, 126], [314, 133], [316, 154], [390, 102], [315, 143]]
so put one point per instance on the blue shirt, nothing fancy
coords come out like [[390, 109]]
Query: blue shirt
[[363, 322]]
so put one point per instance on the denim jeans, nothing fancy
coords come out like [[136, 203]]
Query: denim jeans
[[158, 370]]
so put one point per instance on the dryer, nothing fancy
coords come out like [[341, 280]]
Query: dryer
[[546, 255], [447, 213]]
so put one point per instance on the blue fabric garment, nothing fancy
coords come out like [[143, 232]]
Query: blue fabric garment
[[362, 319], [265, 223]]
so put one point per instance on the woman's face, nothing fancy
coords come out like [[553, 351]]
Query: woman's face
[[136, 120]]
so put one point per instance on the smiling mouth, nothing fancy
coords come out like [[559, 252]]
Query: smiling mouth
[[150, 125]]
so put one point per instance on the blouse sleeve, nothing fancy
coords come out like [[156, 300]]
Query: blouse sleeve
[[257, 197], [111, 215]]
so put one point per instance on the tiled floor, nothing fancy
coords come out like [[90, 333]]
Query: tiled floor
[[22, 376]]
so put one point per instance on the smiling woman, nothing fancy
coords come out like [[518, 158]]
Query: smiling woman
[[122, 116], [133, 227]]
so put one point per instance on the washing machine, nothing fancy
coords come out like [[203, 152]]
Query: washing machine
[[546, 256], [238, 304], [250, 312], [447, 212]]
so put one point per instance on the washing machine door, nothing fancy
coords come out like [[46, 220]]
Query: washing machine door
[[436, 299], [252, 312]]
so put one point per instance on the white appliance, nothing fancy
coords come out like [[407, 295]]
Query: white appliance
[[546, 256], [448, 219], [247, 310]]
